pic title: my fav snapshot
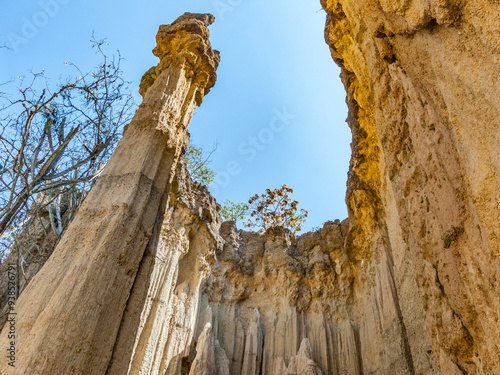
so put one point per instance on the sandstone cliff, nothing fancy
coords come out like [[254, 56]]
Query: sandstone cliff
[[148, 280], [421, 79], [69, 316]]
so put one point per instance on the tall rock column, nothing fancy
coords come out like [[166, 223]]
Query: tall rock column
[[69, 316]]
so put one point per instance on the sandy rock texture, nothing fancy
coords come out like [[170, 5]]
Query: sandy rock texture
[[32, 249], [278, 303], [422, 85], [281, 304], [158, 326], [148, 280], [69, 316]]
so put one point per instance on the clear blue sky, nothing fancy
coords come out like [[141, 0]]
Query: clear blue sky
[[277, 110]]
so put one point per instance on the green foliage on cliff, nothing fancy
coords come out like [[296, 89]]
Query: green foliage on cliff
[[198, 164], [274, 208], [234, 211]]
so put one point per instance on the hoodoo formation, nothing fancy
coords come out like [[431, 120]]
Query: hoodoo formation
[[148, 280]]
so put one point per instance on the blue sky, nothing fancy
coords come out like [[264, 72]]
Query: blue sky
[[277, 110]]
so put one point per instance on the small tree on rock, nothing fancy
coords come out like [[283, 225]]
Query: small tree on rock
[[198, 162], [275, 208], [234, 211]]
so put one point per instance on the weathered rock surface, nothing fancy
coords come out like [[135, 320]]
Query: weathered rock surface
[[210, 358], [147, 280], [302, 364], [422, 84], [281, 304], [158, 326], [267, 294], [69, 317], [32, 249]]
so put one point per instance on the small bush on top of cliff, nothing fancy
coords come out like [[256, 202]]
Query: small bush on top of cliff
[[275, 208], [272, 209]]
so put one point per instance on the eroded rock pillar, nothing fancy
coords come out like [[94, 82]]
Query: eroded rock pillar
[[69, 316]]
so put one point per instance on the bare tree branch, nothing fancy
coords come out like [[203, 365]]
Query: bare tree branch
[[55, 140]]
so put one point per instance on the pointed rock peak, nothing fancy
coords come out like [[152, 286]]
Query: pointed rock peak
[[305, 348], [186, 42]]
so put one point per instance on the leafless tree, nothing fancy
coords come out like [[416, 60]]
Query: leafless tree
[[54, 141]]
